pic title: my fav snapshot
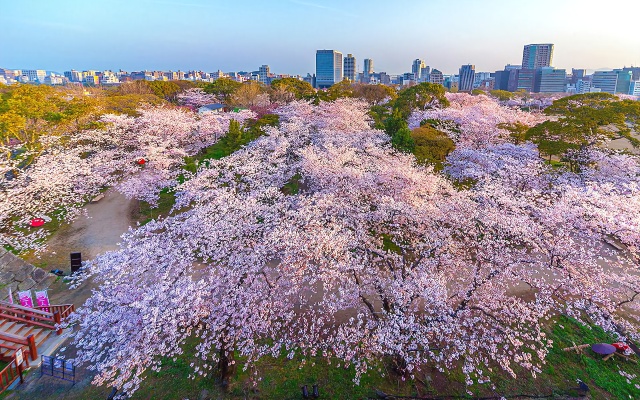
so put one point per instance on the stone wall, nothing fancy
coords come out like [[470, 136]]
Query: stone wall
[[17, 274]]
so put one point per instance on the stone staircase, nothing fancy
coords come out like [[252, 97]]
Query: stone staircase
[[20, 331], [37, 331]]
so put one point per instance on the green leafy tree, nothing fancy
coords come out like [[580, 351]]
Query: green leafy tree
[[502, 95], [128, 103], [374, 94], [379, 114], [247, 95], [337, 91], [222, 87], [517, 131], [167, 90], [29, 111], [256, 127], [235, 135], [297, 88], [585, 120], [396, 127], [402, 140], [423, 96], [431, 146]]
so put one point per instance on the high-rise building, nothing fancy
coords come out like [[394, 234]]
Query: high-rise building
[[481, 79], [436, 77], [537, 56], [424, 73], [507, 79], [583, 86], [577, 74], [311, 79], [501, 80], [550, 80], [635, 72], [384, 79], [368, 69], [263, 73], [624, 80], [616, 81], [525, 79], [467, 76], [634, 88], [416, 68], [34, 75], [328, 68], [350, 72]]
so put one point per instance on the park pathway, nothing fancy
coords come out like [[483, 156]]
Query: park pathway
[[92, 234]]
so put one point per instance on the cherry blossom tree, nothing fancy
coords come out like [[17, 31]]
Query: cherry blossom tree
[[195, 98], [478, 120], [373, 256], [138, 155]]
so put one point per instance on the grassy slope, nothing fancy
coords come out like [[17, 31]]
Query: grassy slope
[[282, 378]]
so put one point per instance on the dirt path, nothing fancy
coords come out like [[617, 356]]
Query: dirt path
[[91, 234]]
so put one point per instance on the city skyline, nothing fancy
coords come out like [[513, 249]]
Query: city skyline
[[173, 35]]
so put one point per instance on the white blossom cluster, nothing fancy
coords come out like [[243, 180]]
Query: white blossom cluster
[[477, 119], [320, 239], [139, 155]]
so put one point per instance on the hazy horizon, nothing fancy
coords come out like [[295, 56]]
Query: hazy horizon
[[211, 36]]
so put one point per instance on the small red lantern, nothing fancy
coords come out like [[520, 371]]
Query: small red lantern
[[36, 222], [141, 161]]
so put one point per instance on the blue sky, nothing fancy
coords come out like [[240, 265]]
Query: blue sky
[[242, 35]]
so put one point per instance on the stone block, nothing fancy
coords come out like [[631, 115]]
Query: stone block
[[48, 280], [6, 258], [38, 274], [27, 284], [6, 277], [4, 292], [22, 271]]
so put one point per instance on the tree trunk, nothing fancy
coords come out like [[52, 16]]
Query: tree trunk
[[399, 365], [226, 367]]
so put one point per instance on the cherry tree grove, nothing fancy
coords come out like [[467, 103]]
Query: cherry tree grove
[[476, 120], [372, 256], [139, 155], [195, 98]]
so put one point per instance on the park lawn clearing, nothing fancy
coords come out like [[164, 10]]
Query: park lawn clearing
[[282, 378]]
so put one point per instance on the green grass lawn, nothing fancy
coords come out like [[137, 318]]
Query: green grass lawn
[[282, 378]]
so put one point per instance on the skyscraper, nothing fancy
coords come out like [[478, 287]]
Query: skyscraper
[[550, 80], [368, 69], [525, 79], [350, 67], [467, 76], [424, 73], [263, 73], [416, 68], [635, 72], [537, 56], [616, 81], [577, 74], [328, 68], [436, 77]]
